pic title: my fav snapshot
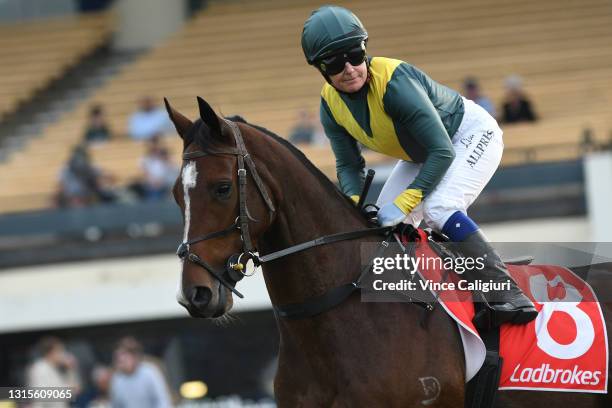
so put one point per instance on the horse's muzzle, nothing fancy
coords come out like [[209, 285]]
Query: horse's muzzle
[[202, 304]]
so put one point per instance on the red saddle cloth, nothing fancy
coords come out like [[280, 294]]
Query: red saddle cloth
[[564, 349]]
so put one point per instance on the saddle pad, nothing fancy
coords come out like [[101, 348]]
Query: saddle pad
[[458, 304], [564, 349]]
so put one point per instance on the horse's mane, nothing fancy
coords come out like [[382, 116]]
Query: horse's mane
[[325, 182]]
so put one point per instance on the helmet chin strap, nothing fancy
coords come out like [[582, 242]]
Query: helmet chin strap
[[327, 78]]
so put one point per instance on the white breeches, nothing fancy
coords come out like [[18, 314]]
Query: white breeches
[[478, 147]]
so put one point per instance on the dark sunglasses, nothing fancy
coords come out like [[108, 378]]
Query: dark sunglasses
[[335, 64]]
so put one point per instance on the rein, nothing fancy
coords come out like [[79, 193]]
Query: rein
[[236, 264]]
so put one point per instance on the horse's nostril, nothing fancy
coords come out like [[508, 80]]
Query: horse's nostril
[[200, 297]]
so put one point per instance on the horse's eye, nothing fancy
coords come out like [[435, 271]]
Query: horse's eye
[[223, 190]]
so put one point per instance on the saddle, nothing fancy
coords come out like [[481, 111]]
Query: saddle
[[441, 244]]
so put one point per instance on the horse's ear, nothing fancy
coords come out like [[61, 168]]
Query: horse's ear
[[209, 116], [181, 123]]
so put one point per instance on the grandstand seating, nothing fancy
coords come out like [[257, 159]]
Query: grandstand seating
[[244, 57], [35, 53]]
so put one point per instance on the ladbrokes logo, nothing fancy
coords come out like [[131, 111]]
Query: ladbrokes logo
[[547, 375], [565, 347]]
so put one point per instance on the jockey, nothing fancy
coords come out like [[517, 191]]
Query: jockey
[[448, 147]]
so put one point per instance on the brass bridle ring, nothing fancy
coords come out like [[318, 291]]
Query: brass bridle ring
[[240, 267]]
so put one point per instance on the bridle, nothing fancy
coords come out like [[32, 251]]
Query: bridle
[[235, 267]]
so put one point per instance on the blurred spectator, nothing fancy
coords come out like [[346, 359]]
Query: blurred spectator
[[516, 106], [137, 383], [54, 368], [306, 130], [588, 143], [81, 183], [97, 129], [471, 89], [608, 145], [98, 395], [148, 121], [159, 172]]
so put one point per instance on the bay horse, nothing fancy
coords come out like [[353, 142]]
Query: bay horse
[[354, 355]]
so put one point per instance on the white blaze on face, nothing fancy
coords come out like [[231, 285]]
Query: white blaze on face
[[189, 177]]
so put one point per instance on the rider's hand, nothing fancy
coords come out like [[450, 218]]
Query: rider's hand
[[355, 199], [393, 213], [390, 215]]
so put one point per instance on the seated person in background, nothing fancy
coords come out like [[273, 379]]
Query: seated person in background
[[97, 129], [471, 90], [516, 106], [81, 183], [304, 129], [307, 130], [588, 143], [148, 121], [159, 173]]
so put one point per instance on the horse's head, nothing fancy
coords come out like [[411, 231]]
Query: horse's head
[[220, 231]]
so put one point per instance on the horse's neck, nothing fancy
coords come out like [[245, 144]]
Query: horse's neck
[[308, 209]]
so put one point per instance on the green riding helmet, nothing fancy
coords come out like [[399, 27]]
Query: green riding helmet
[[329, 30]]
